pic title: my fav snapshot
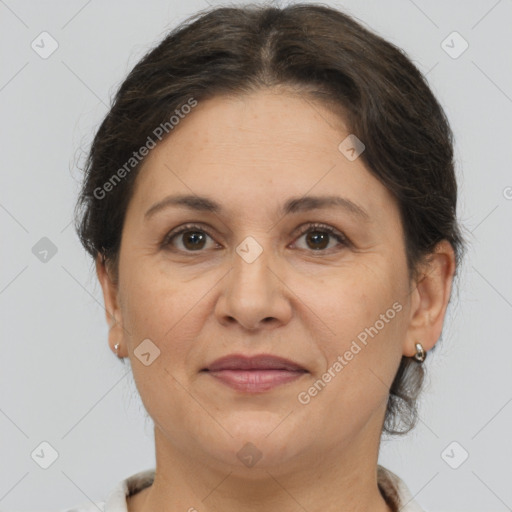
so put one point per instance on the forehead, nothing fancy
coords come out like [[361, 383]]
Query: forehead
[[239, 148], [260, 124]]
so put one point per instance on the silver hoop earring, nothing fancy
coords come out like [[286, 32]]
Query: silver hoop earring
[[420, 353]]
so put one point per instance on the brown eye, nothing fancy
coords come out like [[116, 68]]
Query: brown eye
[[186, 239], [318, 237], [193, 239]]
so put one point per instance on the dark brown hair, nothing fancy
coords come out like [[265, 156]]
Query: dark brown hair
[[327, 56]]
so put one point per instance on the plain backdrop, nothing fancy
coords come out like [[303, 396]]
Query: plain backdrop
[[60, 383]]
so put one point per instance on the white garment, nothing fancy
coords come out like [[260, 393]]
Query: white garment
[[116, 500]]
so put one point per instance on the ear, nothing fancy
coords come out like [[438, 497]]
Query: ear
[[112, 307], [430, 299]]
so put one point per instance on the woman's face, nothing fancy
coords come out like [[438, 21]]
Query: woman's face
[[254, 277]]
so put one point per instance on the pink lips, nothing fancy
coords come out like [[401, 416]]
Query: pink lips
[[254, 374]]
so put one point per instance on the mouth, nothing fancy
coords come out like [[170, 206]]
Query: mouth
[[254, 374]]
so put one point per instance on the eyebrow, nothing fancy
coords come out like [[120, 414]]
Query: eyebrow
[[292, 205]]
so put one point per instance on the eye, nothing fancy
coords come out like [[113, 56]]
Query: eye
[[318, 236], [192, 237]]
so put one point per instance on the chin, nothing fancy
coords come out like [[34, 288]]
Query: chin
[[254, 459], [258, 426], [261, 440]]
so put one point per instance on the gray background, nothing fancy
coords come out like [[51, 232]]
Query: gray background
[[59, 381]]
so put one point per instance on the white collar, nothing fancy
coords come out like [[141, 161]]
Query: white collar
[[116, 500]]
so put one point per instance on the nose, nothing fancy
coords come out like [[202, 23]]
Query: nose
[[254, 294]]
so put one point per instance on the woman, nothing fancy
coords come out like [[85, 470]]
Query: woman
[[271, 206]]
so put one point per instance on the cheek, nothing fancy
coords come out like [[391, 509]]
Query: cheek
[[352, 299], [365, 315], [159, 310], [361, 364], [153, 299], [374, 316], [155, 308]]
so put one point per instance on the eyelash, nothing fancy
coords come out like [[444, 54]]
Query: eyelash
[[337, 235]]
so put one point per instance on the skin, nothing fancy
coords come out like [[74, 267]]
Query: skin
[[251, 154]]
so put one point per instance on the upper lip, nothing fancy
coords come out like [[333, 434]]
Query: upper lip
[[256, 362]]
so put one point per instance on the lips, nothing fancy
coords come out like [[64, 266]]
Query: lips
[[258, 362], [254, 374]]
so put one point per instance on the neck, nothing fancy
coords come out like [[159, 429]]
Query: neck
[[345, 480]]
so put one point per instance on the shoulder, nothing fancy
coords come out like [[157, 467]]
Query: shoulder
[[116, 500], [395, 491]]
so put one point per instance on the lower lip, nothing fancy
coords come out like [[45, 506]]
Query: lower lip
[[255, 381]]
